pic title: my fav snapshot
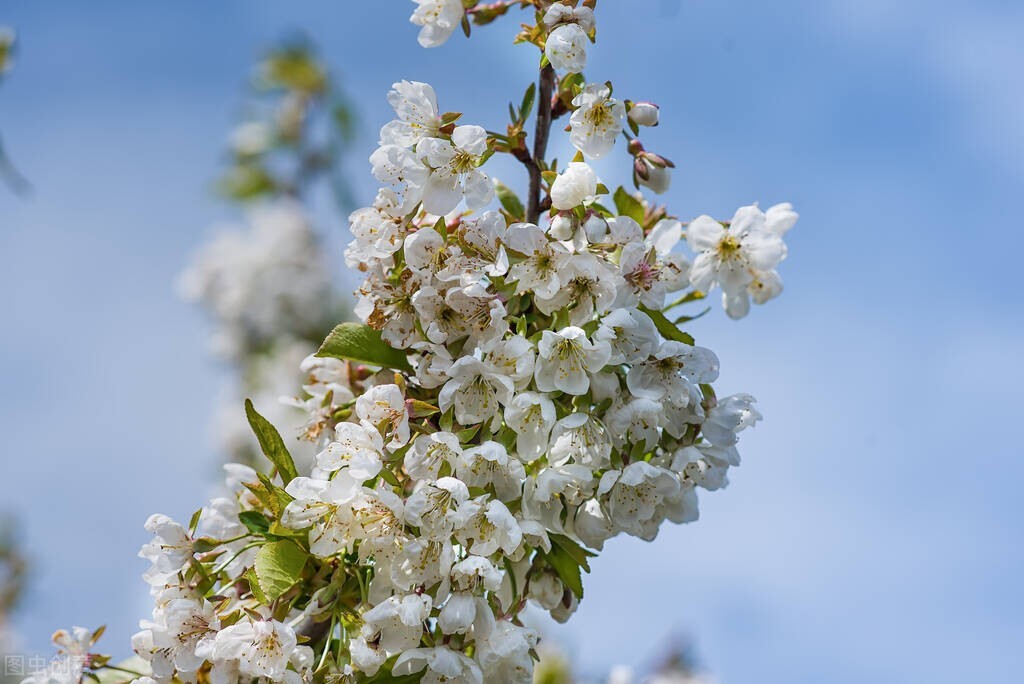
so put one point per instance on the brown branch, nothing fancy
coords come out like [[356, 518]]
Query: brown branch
[[540, 142]]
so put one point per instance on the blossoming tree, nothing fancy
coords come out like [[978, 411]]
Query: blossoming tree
[[517, 393]]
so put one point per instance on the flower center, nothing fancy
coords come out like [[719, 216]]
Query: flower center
[[463, 162], [599, 116], [729, 247]]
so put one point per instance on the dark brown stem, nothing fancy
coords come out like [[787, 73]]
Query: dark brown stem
[[540, 141]]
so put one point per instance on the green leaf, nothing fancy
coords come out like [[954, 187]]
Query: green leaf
[[246, 181], [509, 200], [279, 530], [575, 551], [363, 344], [666, 328], [277, 498], [254, 586], [255, 522], [628, 205], [271, 444], [278, 567], [421, 409], [204, 544], [687, 319], [527, 106], [193, 523], [567, 568], [261, 493], [389, 477]]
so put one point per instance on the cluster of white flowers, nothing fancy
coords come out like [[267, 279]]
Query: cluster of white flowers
[[258, 281], [516, 396], [741, 257], [420, 167], [189, 628]]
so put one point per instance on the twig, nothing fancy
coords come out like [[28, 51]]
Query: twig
[[540, 142]]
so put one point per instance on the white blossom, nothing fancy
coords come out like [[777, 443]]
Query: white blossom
[[654, 176], [638, 496], [729, 256], [542, 398], [505, 652], [454, 174], [258, 281], [169, 551], [355, 451], [672, 371], [442, 665], [514, 357], [582, 438], [728, 417], [764, 284], [487, 526], [403, 172], [566, 44], [565, 359], [430, 452], [261, 648], [490, 464], [630, 334], [540, 271], [635, 422], [650, 269], [597, 121], [531, 415], [416, 106], [384, 406], [475, 392], [438, 19], [397, 622], [589, 286]]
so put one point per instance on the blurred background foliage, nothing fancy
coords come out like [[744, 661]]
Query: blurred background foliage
[[297, 125]]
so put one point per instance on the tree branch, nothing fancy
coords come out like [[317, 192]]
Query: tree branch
[[540, 141]]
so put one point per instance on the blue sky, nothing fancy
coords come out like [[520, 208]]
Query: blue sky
[[873, 533]]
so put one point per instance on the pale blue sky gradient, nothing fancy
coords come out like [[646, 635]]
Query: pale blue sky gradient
[[873, 533]]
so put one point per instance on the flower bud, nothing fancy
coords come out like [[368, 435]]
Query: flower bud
[[652, 175], [595, 228], [564, 610], [575, 186], [546, 589], [562, 227], [644, 114], [650, 169]]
